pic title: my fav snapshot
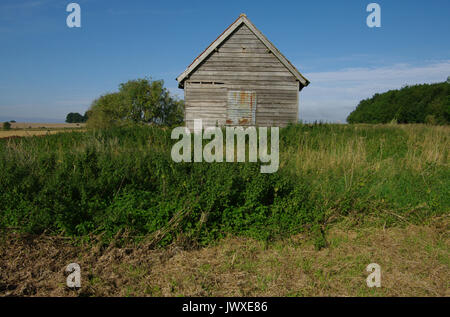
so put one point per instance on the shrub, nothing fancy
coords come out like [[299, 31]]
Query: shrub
[[137, 101]]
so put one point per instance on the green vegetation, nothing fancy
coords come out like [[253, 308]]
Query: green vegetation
[[75, 117], [6, 125], [137, 101], [427, 103], [103, 182]]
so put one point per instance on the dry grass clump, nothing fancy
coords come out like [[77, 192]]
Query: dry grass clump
[[427, 145]]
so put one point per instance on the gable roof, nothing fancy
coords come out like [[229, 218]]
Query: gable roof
[[242, 19]]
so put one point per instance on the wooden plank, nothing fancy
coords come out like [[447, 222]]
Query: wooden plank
[[245, 55], [262, 84], [276, 94], [279, 110], [248, 39], [242, 63], [206, 110], [244, 78], [192, 90], [274, 113], [244, 73], [264, 58], [268, 87], [262, 94], [206, 116], [270, 102], [205, 103], [243, 44], [240, 69], [275, 102], [242, 50]]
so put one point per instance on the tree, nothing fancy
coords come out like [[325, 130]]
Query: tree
[[6, 125], [137, 101], [75, 117], [107, 111], [428, 103]]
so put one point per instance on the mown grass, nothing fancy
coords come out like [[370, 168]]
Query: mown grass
[[124, 180]]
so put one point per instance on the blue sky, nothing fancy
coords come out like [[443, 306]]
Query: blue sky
[[48, 69]]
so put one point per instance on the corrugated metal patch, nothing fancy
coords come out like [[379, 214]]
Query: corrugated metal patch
[[241, 108]]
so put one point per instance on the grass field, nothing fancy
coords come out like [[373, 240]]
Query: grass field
[[344, 196]]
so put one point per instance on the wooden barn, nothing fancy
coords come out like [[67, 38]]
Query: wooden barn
[[241, 79]]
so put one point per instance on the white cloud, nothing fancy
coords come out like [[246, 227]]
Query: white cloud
[[331, 96]]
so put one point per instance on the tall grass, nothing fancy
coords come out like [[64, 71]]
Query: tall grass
[[123, 179]]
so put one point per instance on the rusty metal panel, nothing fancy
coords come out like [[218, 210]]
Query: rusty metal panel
[[241, 107]]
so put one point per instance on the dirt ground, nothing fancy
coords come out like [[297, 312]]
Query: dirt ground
[[414, 262]]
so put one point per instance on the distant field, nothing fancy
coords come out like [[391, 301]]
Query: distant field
[[23, 129], [27, 125]]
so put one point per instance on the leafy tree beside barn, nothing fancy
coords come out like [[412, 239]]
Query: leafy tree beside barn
[[137, 101]]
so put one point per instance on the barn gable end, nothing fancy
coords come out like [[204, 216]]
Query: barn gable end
[[241, 79]]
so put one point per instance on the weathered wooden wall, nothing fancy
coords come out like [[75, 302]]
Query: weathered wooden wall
[[242, 62]]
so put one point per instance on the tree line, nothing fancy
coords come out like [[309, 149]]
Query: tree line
[[425, 103]]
